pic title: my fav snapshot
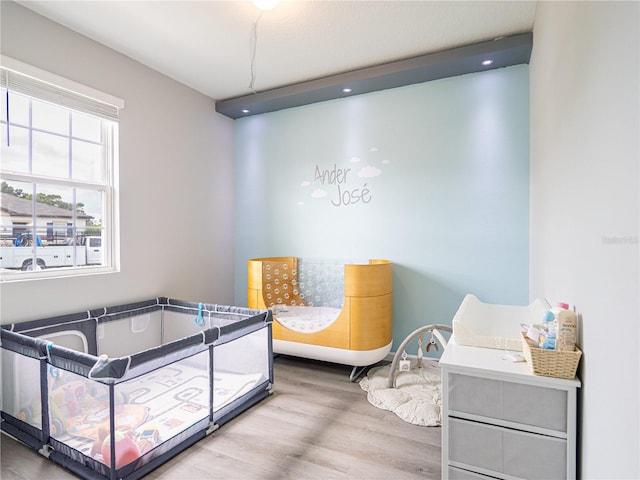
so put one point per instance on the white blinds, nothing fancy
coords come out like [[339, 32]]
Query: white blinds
[[22, 78]]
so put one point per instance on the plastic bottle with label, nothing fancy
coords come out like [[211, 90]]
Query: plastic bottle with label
[[547, 338], [566, 324]]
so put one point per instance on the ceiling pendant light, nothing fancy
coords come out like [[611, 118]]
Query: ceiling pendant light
[[266, 4]]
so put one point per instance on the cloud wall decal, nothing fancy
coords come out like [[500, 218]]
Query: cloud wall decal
[[369, 172]]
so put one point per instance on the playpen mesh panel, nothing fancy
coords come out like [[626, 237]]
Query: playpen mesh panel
[[129, 335], [21, 392], [245, 355], [142, 332], [78, 408], [239, 366], [149, 410], [164, 403]]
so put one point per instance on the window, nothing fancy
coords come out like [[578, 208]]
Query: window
[[57, 171]]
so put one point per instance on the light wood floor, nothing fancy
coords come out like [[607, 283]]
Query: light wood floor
[[316, 425]]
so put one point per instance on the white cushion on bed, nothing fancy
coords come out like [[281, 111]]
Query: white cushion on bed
[[305, 319]]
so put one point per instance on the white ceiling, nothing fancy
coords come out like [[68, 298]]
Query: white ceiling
[[208, 45]]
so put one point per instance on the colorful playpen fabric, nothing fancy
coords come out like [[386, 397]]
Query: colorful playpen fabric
[[154, 377]]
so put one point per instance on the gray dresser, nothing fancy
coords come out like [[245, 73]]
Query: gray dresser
[[499, 420]]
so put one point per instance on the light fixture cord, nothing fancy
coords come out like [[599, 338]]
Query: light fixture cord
[[254, 46]]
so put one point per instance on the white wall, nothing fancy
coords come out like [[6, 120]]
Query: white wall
[[176, 162], [585, 210]]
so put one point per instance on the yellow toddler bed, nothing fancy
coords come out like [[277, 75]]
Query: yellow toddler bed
[[326, 309]]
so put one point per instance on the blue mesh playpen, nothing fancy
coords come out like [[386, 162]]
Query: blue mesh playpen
[[115, 392]]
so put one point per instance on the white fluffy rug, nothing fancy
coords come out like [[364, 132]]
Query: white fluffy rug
[[416, 398]]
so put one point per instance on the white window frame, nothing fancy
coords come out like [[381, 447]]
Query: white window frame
[[73, 96]]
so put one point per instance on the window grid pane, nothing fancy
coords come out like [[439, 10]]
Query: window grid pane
[[50, 155], [50, 118], [67, 226]]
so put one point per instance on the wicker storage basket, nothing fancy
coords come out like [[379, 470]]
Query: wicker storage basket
[[550, 363]]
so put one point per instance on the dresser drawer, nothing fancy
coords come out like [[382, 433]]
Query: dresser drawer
[[506, 451], [460, 474], [515, 402]]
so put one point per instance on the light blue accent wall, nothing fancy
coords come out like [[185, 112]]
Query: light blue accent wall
[[434, 177]]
